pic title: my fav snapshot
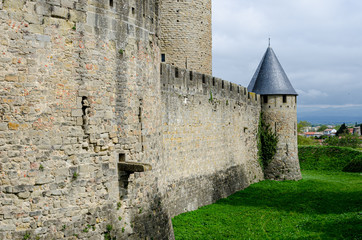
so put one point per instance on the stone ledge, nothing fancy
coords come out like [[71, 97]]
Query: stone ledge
[[134, 167]]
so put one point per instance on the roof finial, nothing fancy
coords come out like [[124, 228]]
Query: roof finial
[[269, 42]]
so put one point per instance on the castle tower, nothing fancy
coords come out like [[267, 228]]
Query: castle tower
[[279, 108], [186, 40]]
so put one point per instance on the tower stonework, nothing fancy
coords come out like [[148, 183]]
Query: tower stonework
[[279, 110], [186, 39]]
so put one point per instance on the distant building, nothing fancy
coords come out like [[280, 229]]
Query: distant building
[[357, 131], [313, 134], [330, 132]]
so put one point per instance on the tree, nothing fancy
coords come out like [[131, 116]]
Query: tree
[[322, 128], [305, 141], [303, 124], [342, 130]]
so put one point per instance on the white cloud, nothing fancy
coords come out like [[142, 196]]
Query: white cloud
[[325, 106], [312, 93]]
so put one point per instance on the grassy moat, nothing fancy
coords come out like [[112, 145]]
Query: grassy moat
[[324, 205]]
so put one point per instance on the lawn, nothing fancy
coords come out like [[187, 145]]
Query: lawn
[[324, 205]]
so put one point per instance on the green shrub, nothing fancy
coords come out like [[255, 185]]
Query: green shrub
[[354, 166], [345, 141], [305, 140], [327, 157], [267, 143]]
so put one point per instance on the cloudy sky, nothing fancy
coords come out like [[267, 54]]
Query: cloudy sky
[[318, 43]]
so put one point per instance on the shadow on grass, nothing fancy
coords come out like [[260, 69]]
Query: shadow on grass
[[350, 228], [301, 197]]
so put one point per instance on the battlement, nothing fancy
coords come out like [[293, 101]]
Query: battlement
[[184, 81]]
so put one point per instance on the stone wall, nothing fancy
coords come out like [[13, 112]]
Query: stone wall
[[186, 38], [79, 88], [280, 112], [209, 137]]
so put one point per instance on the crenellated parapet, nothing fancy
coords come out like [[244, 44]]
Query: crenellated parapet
[[184, 81]]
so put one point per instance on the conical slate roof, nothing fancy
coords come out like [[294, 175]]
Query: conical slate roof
[[270, 78]]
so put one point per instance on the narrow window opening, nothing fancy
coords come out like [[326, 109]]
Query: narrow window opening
[[248, 95], [144, 8], [231, 87], [275, 128], [265, 99], [133, 10], [176, 72], [256, 97], [213, 81], [295, 99], [140, 109], [203, 78], [222, 84], [161, 69], [284, 98], [122, 157], [111, 3], [238, 89], [191, 75], [163, 57], [244, 91]]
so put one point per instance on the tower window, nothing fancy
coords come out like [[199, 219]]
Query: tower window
[[284, 98], [231, 87], [176, 72], [203, 78], [191, 75], [163, 57], [265, 99], [222, 84], [111, 3], [213, 81]]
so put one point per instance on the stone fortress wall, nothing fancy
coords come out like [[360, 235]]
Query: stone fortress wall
[[209, 138], [98, 137], [186, 38]]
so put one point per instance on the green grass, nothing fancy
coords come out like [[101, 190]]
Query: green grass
[[328, 158], [324, 205]]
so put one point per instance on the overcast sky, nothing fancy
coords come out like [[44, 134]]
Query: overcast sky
[[318, 43]]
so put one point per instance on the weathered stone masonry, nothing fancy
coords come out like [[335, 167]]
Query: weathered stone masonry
[[209, 138], [77, 78], [186, 38]]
